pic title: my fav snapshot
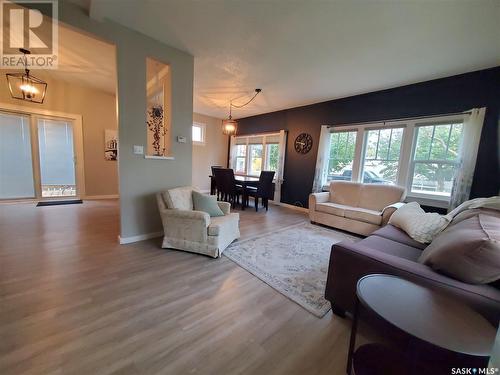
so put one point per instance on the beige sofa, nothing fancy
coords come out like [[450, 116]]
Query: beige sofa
[[195, 231], [355, 207]]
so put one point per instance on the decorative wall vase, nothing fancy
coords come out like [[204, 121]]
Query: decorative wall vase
[[158, 114], [157, 127]]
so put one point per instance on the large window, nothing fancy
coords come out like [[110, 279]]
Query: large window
[[255, 153], [435, 158], [381, 157], [421, 155], [341, 155]]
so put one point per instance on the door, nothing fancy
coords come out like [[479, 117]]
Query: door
[[16, 162], [41, 155], [56, 153]]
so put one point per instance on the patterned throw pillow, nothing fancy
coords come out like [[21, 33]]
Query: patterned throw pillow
[[418, 224]]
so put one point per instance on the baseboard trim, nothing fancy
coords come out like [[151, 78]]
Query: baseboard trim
[[97, 197], [140, 237], [291, 206]]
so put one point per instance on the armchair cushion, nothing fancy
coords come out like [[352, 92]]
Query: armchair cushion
[[206, 203], [179, 198]]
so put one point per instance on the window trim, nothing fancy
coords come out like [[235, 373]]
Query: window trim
[[203, 128], [406, 163]]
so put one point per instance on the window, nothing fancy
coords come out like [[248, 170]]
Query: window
[[198, 133], [255, 165], [419, 154], [241, 159], [272, 157], [435, 158], [341, 155], [255, 153], [381, 157]]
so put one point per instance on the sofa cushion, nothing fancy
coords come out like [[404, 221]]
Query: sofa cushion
[[468, 251], [377, 196], [331, 208], [344, 192], [395, 234], [390, 247], [363, 214], [179, 198], [418, 224]]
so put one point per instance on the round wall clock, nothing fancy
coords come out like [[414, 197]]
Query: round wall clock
[[303, 143]]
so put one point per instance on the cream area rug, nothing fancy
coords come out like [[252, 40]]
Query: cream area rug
[[293, 260]]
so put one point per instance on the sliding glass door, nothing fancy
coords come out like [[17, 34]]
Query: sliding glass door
[[38, 157], [57, 158], [16, 162]]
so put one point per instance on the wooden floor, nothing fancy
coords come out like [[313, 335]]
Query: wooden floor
[[73, 301]]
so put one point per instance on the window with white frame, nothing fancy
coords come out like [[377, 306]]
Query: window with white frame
[[381, 155], [341, 155], [420, 154], [240, 164], [435, 158], [256, 153], [198, 133]]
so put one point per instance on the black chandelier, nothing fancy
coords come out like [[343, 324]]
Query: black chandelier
[[24, 86]]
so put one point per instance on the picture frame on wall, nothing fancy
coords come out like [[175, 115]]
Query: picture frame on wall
[[111, 144]]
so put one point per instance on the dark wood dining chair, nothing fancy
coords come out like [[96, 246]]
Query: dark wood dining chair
[[213, 182], [226, 182], [264, 189]]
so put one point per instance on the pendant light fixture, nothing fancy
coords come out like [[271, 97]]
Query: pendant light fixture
[[25, 86], [229, 126]]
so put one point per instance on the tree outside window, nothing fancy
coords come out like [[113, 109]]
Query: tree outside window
[[341, 156], [435, 158]]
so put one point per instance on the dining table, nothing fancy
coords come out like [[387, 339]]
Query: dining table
[[241, 180]]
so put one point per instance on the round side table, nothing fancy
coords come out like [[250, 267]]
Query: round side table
[[423, 314]]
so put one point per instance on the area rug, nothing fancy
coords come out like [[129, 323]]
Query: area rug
[[293, 260]]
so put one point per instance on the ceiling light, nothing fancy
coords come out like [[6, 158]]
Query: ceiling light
[[24, 86], [230, 126]]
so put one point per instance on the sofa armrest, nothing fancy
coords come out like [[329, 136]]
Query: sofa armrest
[[318, 198], [225, 207], [389, 210], [189, 225], [351, 261]]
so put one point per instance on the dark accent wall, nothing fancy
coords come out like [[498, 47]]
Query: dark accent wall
[[440, 96]]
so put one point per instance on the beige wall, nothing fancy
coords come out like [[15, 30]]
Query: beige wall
[[213, 152], [98, 111]]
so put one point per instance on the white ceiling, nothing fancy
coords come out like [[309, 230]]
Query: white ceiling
[[302, 52], [85, 61]]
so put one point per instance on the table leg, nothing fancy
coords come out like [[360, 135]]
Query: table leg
[[212, 186], [244, 197], [352, 341]]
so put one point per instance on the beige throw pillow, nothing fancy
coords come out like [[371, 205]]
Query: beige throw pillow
[[420, 225], [468, 251]]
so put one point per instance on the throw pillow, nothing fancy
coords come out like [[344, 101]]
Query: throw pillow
[[420, 225], [468, 251], [206, 203]]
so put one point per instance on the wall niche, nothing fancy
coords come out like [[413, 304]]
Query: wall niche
[[158, 110]]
